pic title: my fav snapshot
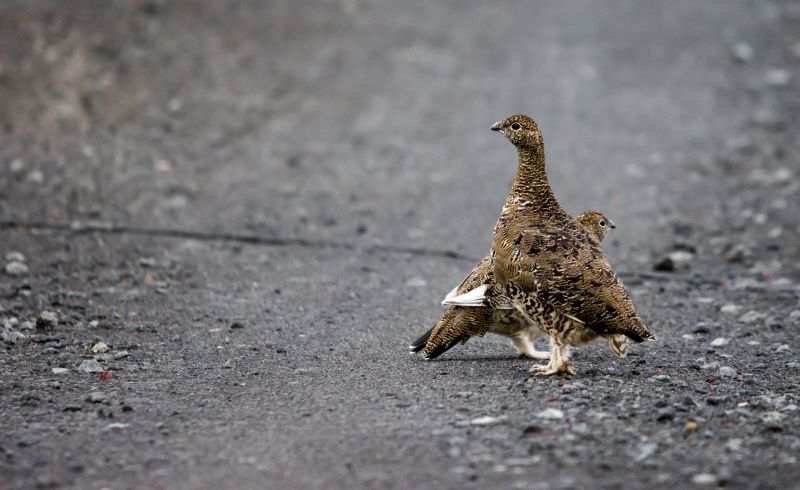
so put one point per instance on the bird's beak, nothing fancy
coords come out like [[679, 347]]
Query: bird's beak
[[611, 224], [498, 126]]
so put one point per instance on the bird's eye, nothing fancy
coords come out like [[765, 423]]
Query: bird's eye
[[516, 127], [602, 222]]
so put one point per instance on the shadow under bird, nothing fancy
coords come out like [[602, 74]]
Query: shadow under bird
[[460, 323], [549, 267]]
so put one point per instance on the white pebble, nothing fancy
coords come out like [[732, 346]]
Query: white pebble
[[777, 77], [729, 308], [15, 256], [551, 413], [719, 342], [100, 348], [704, 479], [783, 348], [60, 370]]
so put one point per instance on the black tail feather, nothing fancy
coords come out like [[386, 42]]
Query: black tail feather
[[419, 344], [441, 349]]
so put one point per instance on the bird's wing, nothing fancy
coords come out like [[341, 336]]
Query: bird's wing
[[473, 297], [566, 268]]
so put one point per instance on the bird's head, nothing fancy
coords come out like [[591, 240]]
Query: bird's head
[[596, 223], [520, 130]]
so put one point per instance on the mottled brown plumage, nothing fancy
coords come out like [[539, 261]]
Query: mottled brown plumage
[[548, 266], [459, 323]]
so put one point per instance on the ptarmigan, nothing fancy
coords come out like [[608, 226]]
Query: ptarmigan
[[547, 266], [459, 323]]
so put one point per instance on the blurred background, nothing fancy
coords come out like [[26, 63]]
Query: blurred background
[[335, 130]]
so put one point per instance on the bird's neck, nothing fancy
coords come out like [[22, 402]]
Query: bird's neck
[[531, 182]]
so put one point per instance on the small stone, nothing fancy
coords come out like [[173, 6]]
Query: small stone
[[783, 348], [661, 377], [679, 257], [710, 365], [236, 325], [26, 326], [665, 264], [115, 426], [729, 308], [121, 354], [736, 254], [416, 282], [487, 420], [90, 366], [773, 420], [96, 397], [16, 166], [777, 77], [100, 348], [551, 413], [11, 336], [752, 317], [16, 269], [704, 479], [47, 321], [665, 415], [720, 342], [727, 371], [15, 256], [691, 426], [147, 262], [743, 52], [646, 450], [734, 445], [60, 370]]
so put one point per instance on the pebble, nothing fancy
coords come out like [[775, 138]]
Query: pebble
[[487, 420], [729, 308], [16, 269], [704, 479], [100, 348], [752, 317], [661, 377], [692, 426], [665, 264], [60, 370], [11, 336], [16, 166], [115, 426], [743, 52], [727, 371], [719, 342], [96, 397], [665, 414], [783, 348], [734, 445], [551, 413], [416, 282], [90, 366], [15, 256], [773, 420], [710, 365], [777, 77], [47, 321], [121, 354], [646, 450]]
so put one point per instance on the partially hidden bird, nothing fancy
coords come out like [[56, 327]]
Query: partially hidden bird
[[460, 323], [547, 266]]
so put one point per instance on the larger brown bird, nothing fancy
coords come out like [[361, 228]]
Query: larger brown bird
[[547, 266], [460, 323]]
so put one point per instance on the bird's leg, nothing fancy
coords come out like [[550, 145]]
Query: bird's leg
[[619, 344], [559, 361], [526, 348]]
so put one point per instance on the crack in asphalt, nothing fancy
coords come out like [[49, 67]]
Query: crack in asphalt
[[80, 227]]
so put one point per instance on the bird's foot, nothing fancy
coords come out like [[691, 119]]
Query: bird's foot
[[548, 370]]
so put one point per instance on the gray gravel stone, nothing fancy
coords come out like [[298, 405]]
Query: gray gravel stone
[[727, 371], [90, 366], [773, 420], [59, 370], [551, 413], [15, 257], [16, 269], [47, 320], [96, 397]]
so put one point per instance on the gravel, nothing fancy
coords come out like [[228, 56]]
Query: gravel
[[90, 366], [47, 320]]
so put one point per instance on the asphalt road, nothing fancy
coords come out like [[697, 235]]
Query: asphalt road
[[256, 206]]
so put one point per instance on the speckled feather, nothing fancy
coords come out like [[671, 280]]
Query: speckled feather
[[548, 266], [459, 324], [545, 261]]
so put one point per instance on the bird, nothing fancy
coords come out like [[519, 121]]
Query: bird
[[460, 323], [547, 266]]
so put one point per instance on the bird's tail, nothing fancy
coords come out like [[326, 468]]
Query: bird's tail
[[419, 344]]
